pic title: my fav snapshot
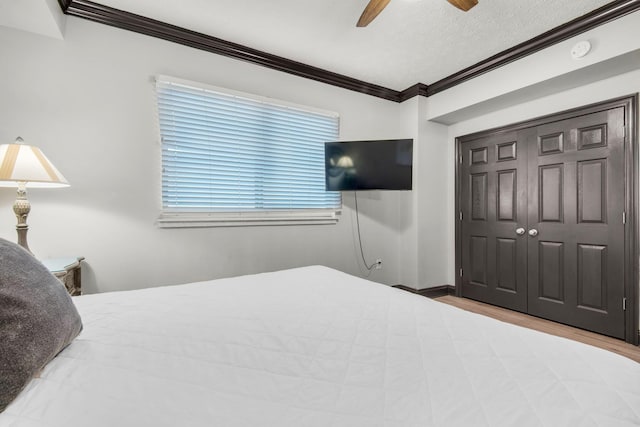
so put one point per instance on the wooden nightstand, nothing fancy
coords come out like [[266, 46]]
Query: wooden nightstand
[[67, 270]]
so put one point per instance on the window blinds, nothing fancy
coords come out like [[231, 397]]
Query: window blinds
[[225, 152]]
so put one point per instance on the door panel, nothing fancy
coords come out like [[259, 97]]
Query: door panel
[[550, 178], [479, 267], [576, 205], [493, 194], [507, 186], [592, 189], [551, 144], [592, 277], [551, 271], [507, 268], [479, 194]]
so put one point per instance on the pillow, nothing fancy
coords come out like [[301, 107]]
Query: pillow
[[37, 319]]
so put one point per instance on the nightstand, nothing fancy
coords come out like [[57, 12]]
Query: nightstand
[[67, 270]]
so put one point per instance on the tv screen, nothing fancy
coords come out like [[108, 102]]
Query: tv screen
[[369, 165]]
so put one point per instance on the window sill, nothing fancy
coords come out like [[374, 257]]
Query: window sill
[[246, 219]]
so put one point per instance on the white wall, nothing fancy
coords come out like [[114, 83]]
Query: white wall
[[434, 211], [88, 103], [425, 249], [408, 251]]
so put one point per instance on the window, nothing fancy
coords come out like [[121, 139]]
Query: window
[[235, 159]]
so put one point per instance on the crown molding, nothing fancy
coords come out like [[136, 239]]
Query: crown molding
[[415, 90], [151, 27], [64, 4]]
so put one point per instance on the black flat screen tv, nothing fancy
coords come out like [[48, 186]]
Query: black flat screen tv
[[369, 165]]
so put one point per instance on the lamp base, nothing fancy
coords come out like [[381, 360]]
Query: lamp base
[[22, 207]]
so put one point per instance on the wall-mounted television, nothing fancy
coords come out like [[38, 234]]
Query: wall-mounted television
[[369, 165]]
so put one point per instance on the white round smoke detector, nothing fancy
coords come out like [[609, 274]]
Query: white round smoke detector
[[580, 49]]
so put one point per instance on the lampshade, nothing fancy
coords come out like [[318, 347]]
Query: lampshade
[[26, 164]]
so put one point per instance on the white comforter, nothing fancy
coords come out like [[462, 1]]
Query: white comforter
[[316, 347]]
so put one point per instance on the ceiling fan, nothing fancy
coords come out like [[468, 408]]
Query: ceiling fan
[[376, 6]]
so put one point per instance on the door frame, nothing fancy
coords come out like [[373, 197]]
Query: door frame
[[631, 239]]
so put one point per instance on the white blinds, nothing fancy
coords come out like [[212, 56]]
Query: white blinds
[[224, 152]]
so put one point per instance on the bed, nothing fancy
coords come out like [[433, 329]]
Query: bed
[[313, 346]]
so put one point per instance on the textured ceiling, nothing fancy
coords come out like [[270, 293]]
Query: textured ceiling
[[411, 41]]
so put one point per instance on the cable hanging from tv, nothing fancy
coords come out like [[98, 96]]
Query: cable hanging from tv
[[367, 266]]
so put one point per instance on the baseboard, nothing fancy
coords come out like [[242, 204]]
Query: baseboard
[[434, 292]]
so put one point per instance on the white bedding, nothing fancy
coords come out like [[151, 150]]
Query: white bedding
[[316, 347]]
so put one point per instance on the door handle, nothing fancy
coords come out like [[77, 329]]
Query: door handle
[[533, 232], [520, 231]]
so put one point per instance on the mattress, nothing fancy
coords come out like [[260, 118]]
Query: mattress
[[316, 347]]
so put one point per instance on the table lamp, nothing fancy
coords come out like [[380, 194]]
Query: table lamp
[[24, 166]]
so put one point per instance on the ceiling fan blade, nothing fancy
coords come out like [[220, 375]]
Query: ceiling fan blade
[[371, 11], [464, 5]]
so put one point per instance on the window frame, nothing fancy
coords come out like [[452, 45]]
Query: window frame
[[201, 217]]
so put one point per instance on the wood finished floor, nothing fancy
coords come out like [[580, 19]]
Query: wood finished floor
[[607, 343]]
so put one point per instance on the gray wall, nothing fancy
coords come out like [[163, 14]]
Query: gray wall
[[88, 103]]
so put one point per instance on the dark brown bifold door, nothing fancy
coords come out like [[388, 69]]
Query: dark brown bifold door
[[542, 226], [575, 228], [493, 202]]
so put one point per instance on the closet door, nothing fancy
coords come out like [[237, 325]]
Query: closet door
[[493, 202], [575, 221]]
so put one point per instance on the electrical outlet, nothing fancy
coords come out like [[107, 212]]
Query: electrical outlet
[[379, 264]]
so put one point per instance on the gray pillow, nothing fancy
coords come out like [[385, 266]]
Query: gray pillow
[[37, 319]]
